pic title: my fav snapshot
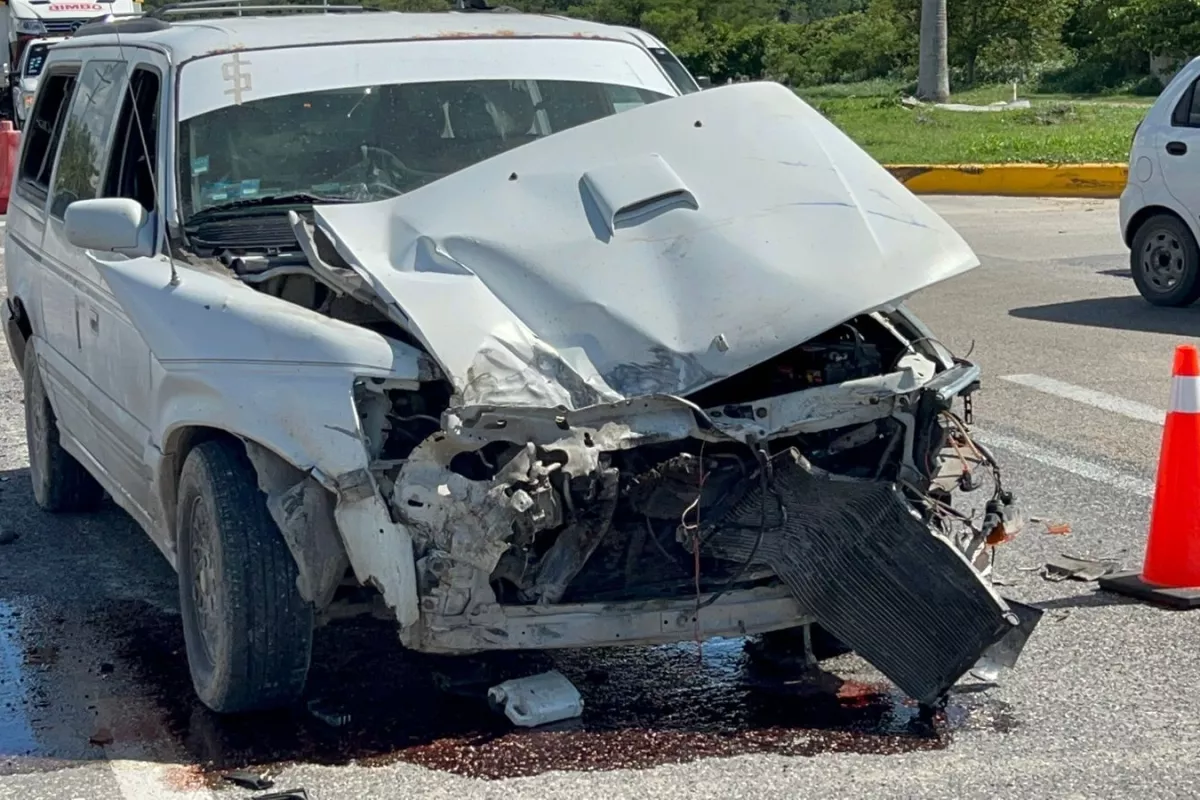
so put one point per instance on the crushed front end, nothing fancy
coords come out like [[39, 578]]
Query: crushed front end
[[835, 483]]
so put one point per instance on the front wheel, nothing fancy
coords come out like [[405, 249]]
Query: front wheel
[[247, 630], [1165, 261]]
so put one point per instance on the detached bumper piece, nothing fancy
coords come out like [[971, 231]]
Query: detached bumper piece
[[857, 557]]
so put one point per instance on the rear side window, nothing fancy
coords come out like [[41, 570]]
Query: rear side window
[[43, 133], [1187, 111], [88, 134], [675, 71]]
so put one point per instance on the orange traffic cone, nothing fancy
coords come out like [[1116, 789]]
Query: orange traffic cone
[[1171, 572]]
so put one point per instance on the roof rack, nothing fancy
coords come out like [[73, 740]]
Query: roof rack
[[197, 8]]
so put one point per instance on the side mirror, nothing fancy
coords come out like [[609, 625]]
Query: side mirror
[[110, 224], [704, 82]]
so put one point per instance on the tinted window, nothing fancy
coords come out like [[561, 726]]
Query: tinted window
[[87, 134], [44, 131], [1187, 110]]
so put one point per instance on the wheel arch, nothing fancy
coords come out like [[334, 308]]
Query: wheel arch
[[1145, 213], [316, 546]]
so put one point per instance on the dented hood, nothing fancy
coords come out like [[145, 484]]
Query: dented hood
[[652, 252]]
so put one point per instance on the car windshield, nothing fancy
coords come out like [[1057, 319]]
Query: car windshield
[[373, 142], [35, 59]]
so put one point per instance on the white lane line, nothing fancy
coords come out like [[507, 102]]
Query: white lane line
[[1101, 400], [1076, 466]]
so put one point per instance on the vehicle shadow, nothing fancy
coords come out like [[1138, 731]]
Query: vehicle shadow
[[88, 610], [1121, 313]]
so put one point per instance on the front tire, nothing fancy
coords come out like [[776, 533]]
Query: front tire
[[247, 629], [60, 483], [1165, 261]]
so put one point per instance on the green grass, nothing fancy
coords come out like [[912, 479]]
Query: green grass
[[1058, 129]]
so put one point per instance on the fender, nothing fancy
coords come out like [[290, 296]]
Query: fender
[[226, 357]]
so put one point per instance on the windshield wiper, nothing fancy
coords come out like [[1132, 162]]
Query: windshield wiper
[[295, 198]]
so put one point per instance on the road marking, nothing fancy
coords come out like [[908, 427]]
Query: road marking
[[1076, 466], [1101, 400]]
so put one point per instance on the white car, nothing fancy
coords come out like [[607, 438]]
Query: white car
[[29, 70], [395, 313], [1160, 206]]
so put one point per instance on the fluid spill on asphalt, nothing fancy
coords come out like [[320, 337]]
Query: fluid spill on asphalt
[[643, 707], [16, 730]]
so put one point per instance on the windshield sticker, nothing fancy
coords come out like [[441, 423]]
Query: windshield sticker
[[199, 165], [215, 192], [239, 80], [250, 187]]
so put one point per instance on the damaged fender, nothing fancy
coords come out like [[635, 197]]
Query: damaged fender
[[260, 368]]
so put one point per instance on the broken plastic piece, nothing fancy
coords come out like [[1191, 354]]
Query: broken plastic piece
[[290, 794], [328, 714], [537, 700], [1080, 569], [248, 780], [1058, 529]]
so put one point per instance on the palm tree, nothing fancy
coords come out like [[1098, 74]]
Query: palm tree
[[933, 80]]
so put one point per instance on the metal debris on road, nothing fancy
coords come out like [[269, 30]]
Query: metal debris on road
[[537, 700], [248, 780], [1076, 568]]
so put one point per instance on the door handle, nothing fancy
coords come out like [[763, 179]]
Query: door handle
[[1176, 148], [94, 319]]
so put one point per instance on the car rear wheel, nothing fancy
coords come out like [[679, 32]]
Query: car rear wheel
[[1165, 261], [247, 630], [60, 483]]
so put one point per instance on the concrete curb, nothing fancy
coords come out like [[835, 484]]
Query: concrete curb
[[1015, 180]]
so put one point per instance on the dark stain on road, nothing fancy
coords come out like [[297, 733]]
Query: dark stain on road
[[644, 707]]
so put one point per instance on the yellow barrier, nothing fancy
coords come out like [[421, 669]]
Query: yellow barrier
[[1015, 180]]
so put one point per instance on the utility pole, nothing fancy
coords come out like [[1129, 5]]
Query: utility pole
[[933, 80]]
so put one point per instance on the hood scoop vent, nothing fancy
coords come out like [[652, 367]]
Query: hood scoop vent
[[626, 193]]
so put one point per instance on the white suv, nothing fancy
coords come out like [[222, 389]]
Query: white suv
[[471, 320], [1160, 206]]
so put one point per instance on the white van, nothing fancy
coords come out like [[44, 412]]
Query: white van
[[447, 317], [29, 71]]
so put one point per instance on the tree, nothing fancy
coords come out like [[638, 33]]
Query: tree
[[1159, 27], [1012, 33], [933, 81]]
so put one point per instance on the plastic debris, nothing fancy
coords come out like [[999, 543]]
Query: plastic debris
[[1058, 528], [248, 780], [327, 714], [537, 700], [290, 794], [1075, 568]]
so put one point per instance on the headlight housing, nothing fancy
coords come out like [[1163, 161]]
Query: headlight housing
[[33, 27]]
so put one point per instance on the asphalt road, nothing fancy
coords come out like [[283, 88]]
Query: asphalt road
[[1101, 705]]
